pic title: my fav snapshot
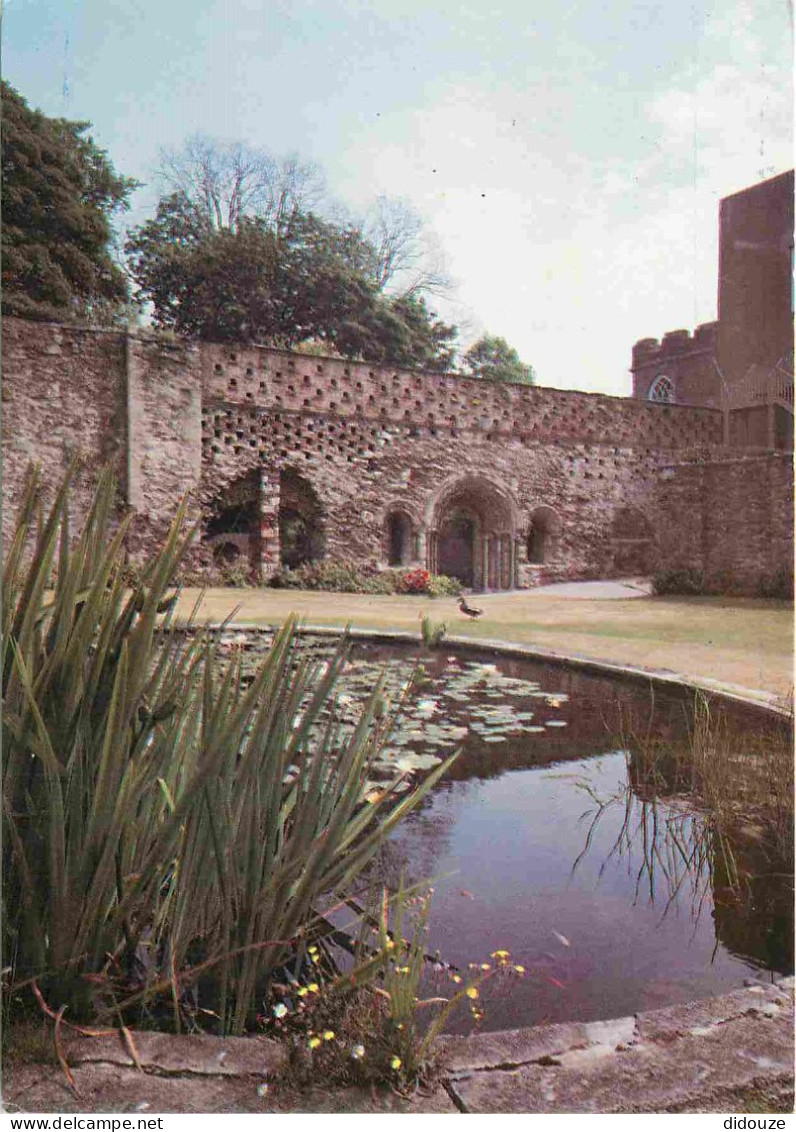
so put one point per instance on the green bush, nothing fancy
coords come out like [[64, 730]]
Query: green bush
[[778, 584], [679, 580], [350, 577], [440, 585], [168, 824]]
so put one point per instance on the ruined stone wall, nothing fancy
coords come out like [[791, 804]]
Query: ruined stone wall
[[164, 419], [63, 397], [442, 404], [361, 471], [175, 417], [731, 519]]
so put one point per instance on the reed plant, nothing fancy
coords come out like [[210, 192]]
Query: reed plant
[[691, 803], [172, 830]]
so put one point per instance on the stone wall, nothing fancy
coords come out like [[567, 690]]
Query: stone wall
[[688, 361], [555, 484], [445, 405], [63, 397], [731, 519]]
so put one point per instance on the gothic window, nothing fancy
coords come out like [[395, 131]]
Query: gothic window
[[662, 390]]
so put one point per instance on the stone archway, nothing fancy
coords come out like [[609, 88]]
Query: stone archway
[[232, 528], [400, 537], [543, 533], [300, 518], [472, 529]]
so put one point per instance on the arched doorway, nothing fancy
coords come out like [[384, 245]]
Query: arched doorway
[[542, 536], [301, 533], [232, 527], [401, 539], [456, 546], [472, 525]]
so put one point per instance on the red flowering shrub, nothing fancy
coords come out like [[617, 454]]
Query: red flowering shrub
[[414, 582]]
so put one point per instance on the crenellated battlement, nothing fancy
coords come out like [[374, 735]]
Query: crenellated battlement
[[674, 345]]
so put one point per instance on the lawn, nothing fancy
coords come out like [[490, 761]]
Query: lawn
[[742, 641]]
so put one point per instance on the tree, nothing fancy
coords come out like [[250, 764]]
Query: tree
[[492, 359], [407, 263], [60, 193], [313, 283], [230, 181]]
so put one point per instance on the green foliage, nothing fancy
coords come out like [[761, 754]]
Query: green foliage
[[678, 580], [60, 192], [166, 820], [337, 577], [402, 1048], [441, 585], [492, 359], [350, 577], [432, 634], [311, 281], [779, 584]]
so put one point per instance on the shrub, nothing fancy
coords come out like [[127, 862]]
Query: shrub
[[414, 581], [350, 577], [778, 584], [167, 822], [440, 585], [678, 580]]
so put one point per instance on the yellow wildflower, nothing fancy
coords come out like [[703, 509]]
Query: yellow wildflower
[[456, 978], [472, 992], [313, 988], [314, 1042], [302, 992], [328, 1035], [395, 1063], [499, 955], [519, 969], [485, 967]]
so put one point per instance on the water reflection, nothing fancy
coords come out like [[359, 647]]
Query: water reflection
[[616, 890]]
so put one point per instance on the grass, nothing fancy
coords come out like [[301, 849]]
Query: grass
[[742, 641]]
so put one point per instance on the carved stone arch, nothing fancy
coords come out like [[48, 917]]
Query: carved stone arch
[[472, 523], [400, 533], [544, 532], [301, 519]]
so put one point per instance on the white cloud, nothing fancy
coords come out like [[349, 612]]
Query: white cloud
[[573, 257]]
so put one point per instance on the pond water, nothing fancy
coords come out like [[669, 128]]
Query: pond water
[[540, 843], [546, 839]]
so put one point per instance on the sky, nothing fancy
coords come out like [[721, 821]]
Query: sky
[[567, 157]]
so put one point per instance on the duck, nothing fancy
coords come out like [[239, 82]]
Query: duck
[[470, 610]]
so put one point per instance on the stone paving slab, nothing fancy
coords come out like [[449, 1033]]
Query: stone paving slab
[[698, 1057], [513, 1048], [194, 1054], [709, 1056], [103, 1087]]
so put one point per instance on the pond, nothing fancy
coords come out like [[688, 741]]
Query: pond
[[614, 888]]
